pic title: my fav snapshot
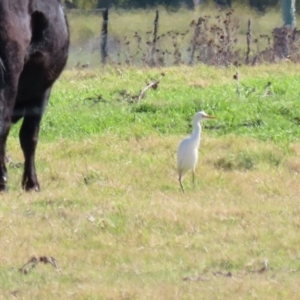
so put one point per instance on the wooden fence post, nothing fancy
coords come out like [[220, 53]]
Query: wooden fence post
[[103, 44], [195, 38], [248, 42], [153, 50]]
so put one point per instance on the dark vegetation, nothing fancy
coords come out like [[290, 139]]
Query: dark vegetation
[[212, 40], [260, 5]]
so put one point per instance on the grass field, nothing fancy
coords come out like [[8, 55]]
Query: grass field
[[111, 212]]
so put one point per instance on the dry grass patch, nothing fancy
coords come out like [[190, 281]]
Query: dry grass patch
[[112, 214]]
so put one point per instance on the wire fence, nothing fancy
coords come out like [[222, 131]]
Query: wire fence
[[221, 40]]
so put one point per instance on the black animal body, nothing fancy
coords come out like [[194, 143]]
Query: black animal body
[[34, 43]]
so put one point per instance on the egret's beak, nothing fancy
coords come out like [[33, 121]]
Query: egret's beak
[[210, 117]]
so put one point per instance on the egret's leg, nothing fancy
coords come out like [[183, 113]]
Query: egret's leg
[[179, 179], [193, 177]]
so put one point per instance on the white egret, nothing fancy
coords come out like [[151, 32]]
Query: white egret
[[187, 154]]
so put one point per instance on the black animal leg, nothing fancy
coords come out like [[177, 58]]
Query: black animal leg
[[28, 138], [7, 99], [4, 130]]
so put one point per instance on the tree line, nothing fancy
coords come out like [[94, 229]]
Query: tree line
[[260, 5]]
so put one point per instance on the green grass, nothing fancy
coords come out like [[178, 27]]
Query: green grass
[[111, 211], [169, 109]]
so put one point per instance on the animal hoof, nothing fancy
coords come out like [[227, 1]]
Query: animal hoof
[[28, 187], [34, 189], [3, 186]]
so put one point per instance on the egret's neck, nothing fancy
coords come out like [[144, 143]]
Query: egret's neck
[[196, 133]]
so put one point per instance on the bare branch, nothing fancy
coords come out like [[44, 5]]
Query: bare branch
[[153, 85], [33, 262]]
